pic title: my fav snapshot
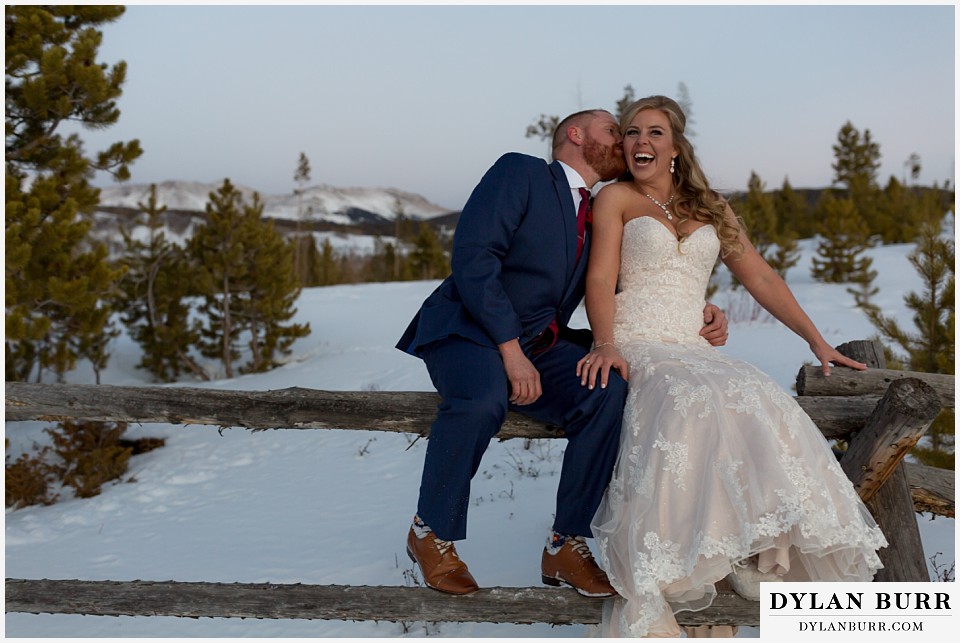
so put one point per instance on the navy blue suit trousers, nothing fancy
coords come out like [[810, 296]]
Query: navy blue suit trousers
[[474, 387]]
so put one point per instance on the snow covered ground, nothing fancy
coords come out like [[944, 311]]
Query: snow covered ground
[[333, 507]]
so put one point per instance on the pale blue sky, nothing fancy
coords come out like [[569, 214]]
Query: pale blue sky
[[425, 98]]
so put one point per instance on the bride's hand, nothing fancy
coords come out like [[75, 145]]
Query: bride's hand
[[829, 355], [597, 364]]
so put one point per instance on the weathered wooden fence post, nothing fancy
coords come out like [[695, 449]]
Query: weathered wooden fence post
[[874, 463]]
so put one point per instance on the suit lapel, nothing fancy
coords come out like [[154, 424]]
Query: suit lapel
[[578, 270], [568, 217]]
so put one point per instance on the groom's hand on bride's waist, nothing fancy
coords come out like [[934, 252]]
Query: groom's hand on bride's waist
[[714, 326]]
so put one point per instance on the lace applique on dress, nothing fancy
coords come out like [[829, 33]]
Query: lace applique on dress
[[678, 463], [687, 396]]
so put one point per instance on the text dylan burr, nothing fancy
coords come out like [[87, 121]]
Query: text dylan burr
[[855, 601]]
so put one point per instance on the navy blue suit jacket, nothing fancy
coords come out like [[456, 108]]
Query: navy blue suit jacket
[[514, 260]]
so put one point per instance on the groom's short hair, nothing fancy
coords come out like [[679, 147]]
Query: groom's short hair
[[573, 120]]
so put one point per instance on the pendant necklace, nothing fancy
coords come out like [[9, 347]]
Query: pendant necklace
[[663, 206]]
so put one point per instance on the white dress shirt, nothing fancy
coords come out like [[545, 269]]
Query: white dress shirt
[[576, 182]]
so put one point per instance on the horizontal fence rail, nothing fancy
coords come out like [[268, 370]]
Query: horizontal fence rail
[[399, 412], [303, 408], [338, 602], [874, 381]]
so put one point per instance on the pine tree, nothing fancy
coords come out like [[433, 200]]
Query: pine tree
[[686, 104], [844, 238], [382, 264], [330, 270], [785, 253], [312, 270], [303, 250], [217, 250], [58, 282], [759, 214], [629, 96], [267, 305], [896, 209], [246, 278], [932, 204], [793, 212], [914, 165], [401, 225], [389, 261], [543, 128], [428, 260], [857, 159], [301, 177], [932, 348], [155, 295]]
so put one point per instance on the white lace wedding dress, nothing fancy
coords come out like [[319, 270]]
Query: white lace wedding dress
[[717, 462]]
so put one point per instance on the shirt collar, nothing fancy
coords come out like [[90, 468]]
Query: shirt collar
[[573, 177]]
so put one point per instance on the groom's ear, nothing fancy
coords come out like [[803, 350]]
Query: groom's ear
[[575, 135]]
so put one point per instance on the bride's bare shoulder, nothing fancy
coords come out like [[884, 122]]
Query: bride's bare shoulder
[[615, 192]]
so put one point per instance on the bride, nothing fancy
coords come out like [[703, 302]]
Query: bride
[[720, 473]]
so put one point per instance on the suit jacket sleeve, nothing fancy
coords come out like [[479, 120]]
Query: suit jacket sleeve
[[483, 237]]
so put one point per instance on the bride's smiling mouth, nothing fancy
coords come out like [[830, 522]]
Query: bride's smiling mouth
[[643, 159]]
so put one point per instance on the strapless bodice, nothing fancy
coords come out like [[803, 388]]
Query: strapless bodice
[[663, 282]]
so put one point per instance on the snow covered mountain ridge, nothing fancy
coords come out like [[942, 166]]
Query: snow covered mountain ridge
[[319, 202]]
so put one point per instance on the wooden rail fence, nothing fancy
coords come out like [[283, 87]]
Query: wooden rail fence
[[880, 413]]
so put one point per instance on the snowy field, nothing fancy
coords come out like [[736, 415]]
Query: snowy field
[[333, 507]]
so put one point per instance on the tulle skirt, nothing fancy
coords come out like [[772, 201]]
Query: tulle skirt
[[718, 463]]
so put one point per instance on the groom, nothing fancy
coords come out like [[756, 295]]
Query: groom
[[494, 338]]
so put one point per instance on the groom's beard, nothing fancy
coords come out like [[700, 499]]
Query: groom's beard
[[606, 161]]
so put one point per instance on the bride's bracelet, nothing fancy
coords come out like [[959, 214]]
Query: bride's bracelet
[[602, 344]]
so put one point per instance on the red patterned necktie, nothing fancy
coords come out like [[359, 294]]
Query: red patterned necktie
[[583, 213]]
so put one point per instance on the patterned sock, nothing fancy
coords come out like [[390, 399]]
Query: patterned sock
[[419, 528], [555, 541]]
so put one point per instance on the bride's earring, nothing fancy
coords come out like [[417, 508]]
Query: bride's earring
[[673, 162]]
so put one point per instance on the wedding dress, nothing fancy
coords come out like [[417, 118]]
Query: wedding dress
[[717, 463]]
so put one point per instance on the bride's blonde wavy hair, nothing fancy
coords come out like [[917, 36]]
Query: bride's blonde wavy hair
[[693, 192]]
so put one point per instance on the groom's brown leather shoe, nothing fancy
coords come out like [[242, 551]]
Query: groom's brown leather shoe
[[574, 565], [441, 567]]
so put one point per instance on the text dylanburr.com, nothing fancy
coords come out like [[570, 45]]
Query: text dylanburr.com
[[845, 611]]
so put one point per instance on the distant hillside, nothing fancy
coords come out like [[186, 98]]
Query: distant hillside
[[320, 203], [347, 216]]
